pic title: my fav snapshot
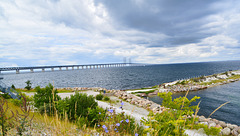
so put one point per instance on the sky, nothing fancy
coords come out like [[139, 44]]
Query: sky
[[65, 32]]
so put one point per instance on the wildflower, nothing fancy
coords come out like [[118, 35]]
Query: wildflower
[[122, 103], [106, 130], [115, 129], [127, 120], [99, 112], [120, 107], [118, 124], [98, 125], [104, 127], [111, 110], [136, 134], [121, 121]]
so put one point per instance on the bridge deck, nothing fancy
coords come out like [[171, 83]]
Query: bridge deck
[[67, 66]]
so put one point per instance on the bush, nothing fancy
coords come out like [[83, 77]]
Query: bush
[[106, 98], [28, 87], [78, 105], [99, 96], [13, 86], [171, 121], [6, 96], [45, 96]]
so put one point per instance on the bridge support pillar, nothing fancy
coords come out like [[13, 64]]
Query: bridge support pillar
[[77, 67], [66, 68], [31, 70], [17, 71], [60, 68], [52, 69], [72, 68], [43, 70]]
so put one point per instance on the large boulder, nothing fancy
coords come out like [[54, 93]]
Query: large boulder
[[201, 119], [223, 124], [226, 131]]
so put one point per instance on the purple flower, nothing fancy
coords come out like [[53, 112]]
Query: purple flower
[[98, 125], [127, 120], [106, 130], [111, 110], [104, 127], [115, 129], [136, 134], [99, 112], [120, 107], [122, 103], [121, 121], [118, 124]]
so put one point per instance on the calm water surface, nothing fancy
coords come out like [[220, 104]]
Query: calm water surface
[[138, 77]]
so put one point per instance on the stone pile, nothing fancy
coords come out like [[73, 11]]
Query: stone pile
[[133, 99], [226, 129], [82, 88]]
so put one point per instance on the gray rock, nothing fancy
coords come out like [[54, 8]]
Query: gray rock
[[204, 123], [234, 132], [216, 121], [230, 126], [201, 118], [238, 129], [212, 124], [235, 126], [223, 124], [226, 131]]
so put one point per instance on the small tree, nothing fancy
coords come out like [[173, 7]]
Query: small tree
[[45, 97], [28, 87], [13, 86]]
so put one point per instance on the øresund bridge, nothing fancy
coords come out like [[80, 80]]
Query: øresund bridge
[[67, 67]]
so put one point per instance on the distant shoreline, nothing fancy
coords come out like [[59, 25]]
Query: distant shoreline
[[192, 84]]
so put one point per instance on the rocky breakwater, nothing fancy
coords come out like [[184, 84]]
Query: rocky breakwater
[[226, 128], [81, 88], [201, 82], [141, 102]]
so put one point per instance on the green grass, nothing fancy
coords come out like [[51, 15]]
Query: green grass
[[146, 92], [33, 90]]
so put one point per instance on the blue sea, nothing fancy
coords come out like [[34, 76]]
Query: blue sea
[[145, 76]]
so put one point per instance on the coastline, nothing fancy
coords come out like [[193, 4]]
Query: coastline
[[192, 84]]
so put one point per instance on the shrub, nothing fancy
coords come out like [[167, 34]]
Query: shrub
[[171, 121], [106, 98], [5, 120], [95, 116], [28, 87], [78, 105], [99, 96], [13, 87], [45, 97], [6, 96]]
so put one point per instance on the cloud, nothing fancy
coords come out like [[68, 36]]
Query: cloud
[[54, 32]]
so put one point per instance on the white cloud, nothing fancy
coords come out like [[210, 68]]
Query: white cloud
[[61, 32]]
